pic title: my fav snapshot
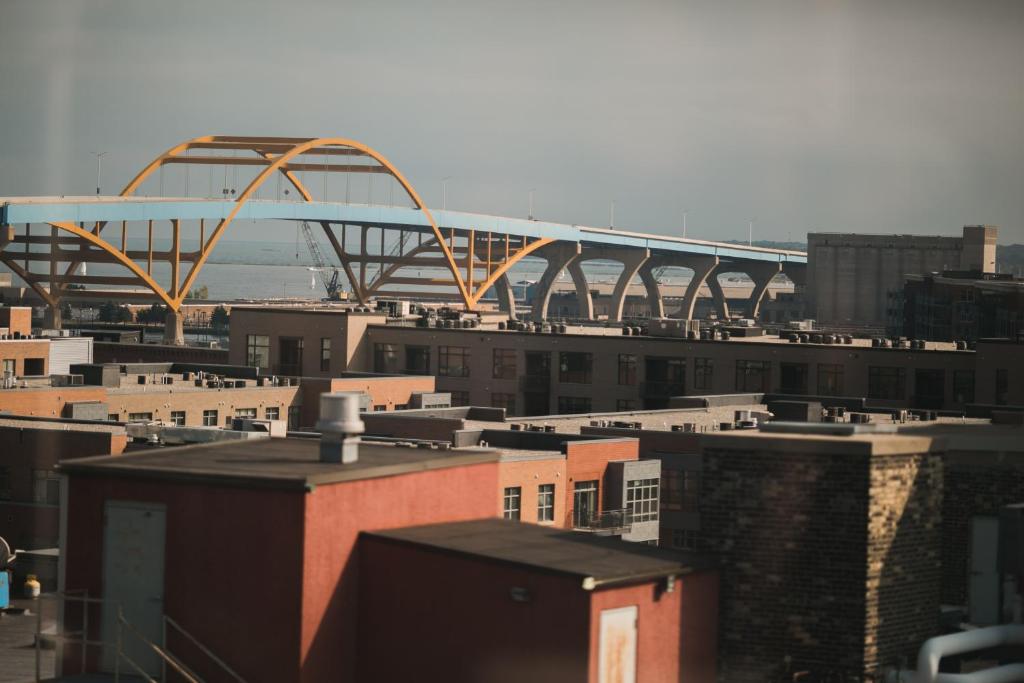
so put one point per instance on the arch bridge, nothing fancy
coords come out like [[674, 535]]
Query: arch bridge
[[162, 228]]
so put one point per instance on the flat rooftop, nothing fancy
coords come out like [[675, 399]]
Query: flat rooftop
[[273, 463], [15, 422], [597, 561], [657, 420]]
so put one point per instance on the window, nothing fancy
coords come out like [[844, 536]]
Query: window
[[380, 408], [453, 361], [793, 378], [830, 379], [1002, 386], [627, 368], [246, 413], [584, 503], [624, 404], [178, 417], [573, 405], [703, 371], [45, 487], [642, 499], [5, 483], [272, 413], [887, 383], [140, 417], [8, 367], [34, 367], [291, 355], [210, 418], [257, 350], [684, 539], [664, 377], [417, 360], [546, 503], [512, 498], [504, 364], [963, 386], [753, 375], [506, 401], [113, 417], [294, 417], [679, 490], [325, 354], [385, 358], [574, 367], [459, 398]]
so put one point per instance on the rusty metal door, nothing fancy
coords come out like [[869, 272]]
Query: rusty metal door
[[617, 647]]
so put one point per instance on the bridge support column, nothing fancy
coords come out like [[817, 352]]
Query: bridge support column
[[655, 304], [631, 260], [53, 319], [702, 267], [579, 281], [797, 272], [762, 274], [558, 256], [717, 295], [174, 328], [506, 297]]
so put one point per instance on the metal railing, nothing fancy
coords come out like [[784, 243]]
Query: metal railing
[[124, 627], [605, 521]]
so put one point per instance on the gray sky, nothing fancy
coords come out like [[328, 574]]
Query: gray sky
[[871, 116]]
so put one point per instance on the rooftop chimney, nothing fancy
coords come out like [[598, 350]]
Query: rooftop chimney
[[340, 427]]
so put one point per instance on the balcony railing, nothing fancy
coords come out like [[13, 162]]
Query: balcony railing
[[606, 522]]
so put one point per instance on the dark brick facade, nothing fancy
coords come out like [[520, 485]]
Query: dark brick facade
[[976, 485], [821, 544]]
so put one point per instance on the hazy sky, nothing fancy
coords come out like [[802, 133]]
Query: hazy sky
[[887, 116]]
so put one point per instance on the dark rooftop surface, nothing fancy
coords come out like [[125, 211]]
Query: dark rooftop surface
[[274, 463], [596, 560]]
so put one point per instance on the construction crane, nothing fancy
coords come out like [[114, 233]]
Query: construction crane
[[332, 283]]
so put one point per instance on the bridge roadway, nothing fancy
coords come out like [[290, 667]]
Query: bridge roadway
[[383, 249]]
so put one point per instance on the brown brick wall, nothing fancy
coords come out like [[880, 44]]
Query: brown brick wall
[[18, 350], [976, 484], [112, 352], [47, 401]]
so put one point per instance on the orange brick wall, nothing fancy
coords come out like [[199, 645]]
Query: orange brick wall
[[20, 349], [47, 401], [588, 460], [16, 319], [528, 475], [160, 402]]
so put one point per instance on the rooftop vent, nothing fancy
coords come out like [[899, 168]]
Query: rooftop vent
[[340, 427]]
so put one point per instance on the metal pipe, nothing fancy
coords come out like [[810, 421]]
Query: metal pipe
[[934, 649]]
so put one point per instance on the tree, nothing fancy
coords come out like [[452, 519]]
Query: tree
[[198, 293], [156, 313], [112, 313], [219, 319], [65, 310]]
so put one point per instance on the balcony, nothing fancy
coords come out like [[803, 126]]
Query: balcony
[[662, 389], [535, 383], [606, 522]]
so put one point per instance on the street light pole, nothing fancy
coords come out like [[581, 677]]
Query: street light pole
[[99, 169], [530, 215], [750, 232]]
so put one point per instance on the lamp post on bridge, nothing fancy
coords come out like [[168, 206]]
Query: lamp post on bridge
[[99, 169]]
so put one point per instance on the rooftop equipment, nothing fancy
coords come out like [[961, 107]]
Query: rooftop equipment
[[340, 427]]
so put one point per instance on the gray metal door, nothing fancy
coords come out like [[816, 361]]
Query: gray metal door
[[983, 587], [133, 577]]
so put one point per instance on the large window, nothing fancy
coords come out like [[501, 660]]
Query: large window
[[664, 376], [504, 364], [503, 400], [573, 405], [703, 373], [684, 539], [584, 503], [459, 398], [290, 354], [793, 378], [679, 490], [575, 366], [210, 418], [963, 386], [45, 487], [623, 405], [830, 379], [546, 503], [887, 383], [512, 502], [385, 358], [417, 360], [642, 499], [453, 361], [753, 375], [627, 368], [325, 354], [257, 351], [140, 417], [246, 413]]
